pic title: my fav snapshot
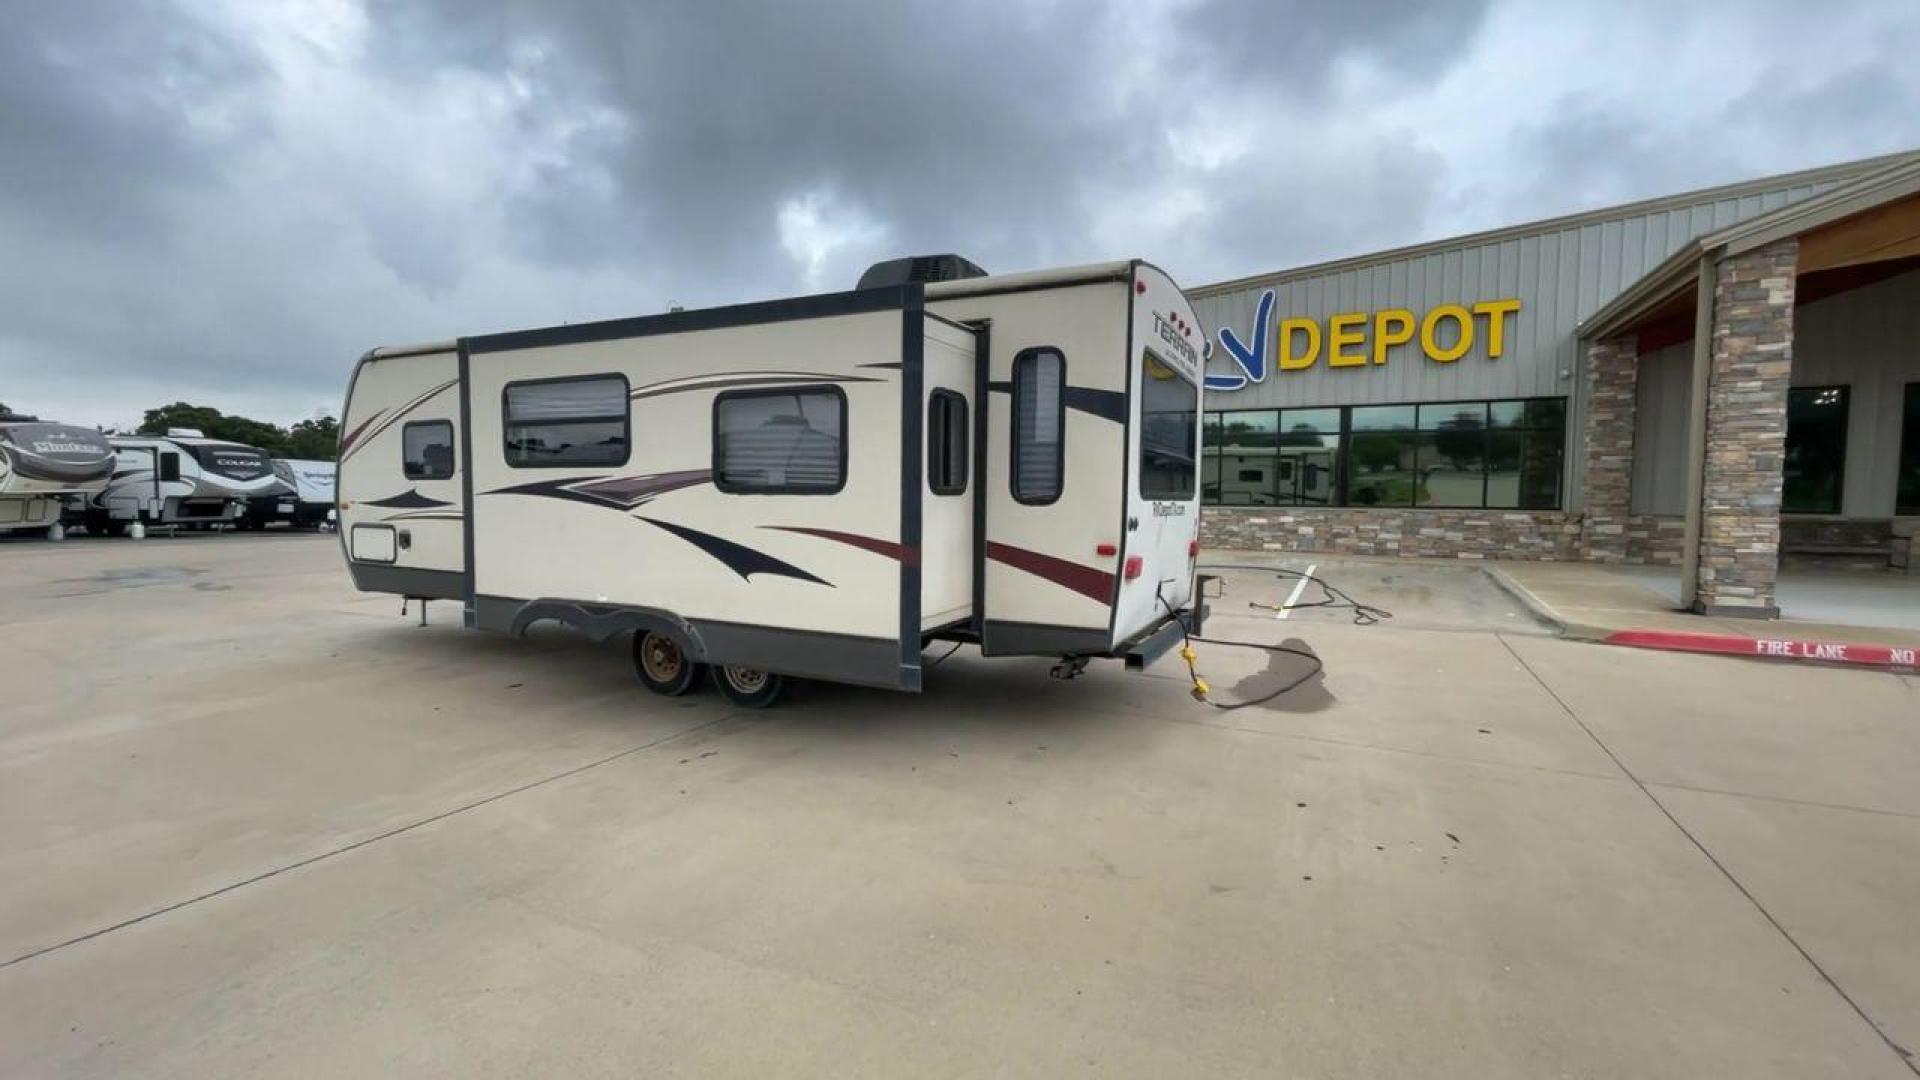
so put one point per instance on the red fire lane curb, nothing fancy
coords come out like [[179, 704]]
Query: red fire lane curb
[[1830, 652]]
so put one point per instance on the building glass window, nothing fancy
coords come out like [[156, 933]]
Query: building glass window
[[1907, 499], [554, 423], [1816, 459], [1381, 455], [1241, 458], [1308, 473], [1472, 454]]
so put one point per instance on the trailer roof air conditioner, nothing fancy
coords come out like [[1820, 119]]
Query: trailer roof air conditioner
[[922, 268]]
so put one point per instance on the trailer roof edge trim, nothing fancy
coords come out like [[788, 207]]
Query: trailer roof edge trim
[[820, 306], [1091, 273]]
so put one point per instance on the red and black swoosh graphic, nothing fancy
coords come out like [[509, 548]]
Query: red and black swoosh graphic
[[1089, 581], [361, 435], [742, 378], [900, 552]]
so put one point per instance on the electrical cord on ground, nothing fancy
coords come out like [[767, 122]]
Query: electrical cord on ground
[[1330, 595], [942, 656], [1363, 615]]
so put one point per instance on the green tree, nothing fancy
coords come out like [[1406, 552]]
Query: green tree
[[314, 440], [214, 424]]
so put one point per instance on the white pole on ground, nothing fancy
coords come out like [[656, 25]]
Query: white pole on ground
[[1298, 587]]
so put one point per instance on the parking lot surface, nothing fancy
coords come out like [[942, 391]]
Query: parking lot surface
[[256, 823]]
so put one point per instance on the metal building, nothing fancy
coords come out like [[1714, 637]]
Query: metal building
[[1535, 391]]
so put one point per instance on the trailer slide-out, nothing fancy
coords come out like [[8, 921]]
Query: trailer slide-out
[[815, 487]]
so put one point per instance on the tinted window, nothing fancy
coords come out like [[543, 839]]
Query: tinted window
[[1816, 458], [1039, 425], [947, 443], [426, 450], [169, 465], [772, 441], [1908, 498], [1169, 413], [567, 422]]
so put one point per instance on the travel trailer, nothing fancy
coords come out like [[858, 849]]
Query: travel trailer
[[180, 478], [44, 467], [303, 498], [816, 487]]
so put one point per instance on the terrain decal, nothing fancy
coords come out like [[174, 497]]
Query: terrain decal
[[621, 492], [409, 499], [1090, 582], [742, 378], [738, 558], [356, 440], [909, 556]]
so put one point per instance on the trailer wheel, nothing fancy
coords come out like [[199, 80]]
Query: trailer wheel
[[748, 687], [662, 665]]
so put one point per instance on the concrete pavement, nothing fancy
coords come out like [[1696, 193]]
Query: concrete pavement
[[257, 824]]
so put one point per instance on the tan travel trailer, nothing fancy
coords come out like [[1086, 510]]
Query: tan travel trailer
[[815, 487]]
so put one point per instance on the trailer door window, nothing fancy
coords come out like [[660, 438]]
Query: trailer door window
[[947, 443], [790, 441], [426, 448], [1169, 413], [169, 466], [1039, 425], [583, 420]]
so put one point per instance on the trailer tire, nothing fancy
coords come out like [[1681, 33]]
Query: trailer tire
[[662, 664], [748, 687]]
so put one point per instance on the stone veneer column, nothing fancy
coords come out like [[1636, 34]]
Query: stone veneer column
[[1613, 369], [1747, 378]]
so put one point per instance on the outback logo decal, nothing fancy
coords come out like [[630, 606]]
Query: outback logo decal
[[1250, 359], [1171, 334]]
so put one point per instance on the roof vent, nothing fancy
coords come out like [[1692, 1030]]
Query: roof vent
[[184, 433], [919, 268]]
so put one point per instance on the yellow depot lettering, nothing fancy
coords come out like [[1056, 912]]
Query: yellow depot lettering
[[1401, 321], [1342, 331], [1430, 339], [1496, 312], [1289, 361]]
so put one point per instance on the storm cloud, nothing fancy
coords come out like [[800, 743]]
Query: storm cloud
[[226, 201]]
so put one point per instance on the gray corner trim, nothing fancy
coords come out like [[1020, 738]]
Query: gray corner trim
[[1701, 375], [467, 525], [913, 344], [407, 580]]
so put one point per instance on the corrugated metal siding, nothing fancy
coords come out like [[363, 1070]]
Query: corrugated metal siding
[[1867, 340], [1560, 274]]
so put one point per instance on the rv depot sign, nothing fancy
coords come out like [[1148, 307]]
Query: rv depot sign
[[1443, 334]]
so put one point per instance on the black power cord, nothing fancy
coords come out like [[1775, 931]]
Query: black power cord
[[1363, 615], [1330, 595]]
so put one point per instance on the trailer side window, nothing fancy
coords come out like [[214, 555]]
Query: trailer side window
[[426, 450], [169, 465], [791, 441], [1169, 435], [1039, 425], [581, 420], [947, 443]]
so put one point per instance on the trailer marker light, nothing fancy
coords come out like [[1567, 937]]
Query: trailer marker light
[[1193, 549], [1106, 549], [1140, 286], [1135, 564]]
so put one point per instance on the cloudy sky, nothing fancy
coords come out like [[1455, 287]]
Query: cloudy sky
[[227, 201]]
